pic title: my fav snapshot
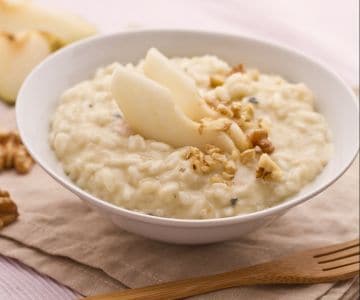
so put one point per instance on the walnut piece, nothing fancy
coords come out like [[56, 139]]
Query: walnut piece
[[216, 80], [8, 209], [13, 153], [236, 107], [247, 113], [212, 160], [248, 156], [219, 79], [224, 110], [267, 169], [259, 137], [249, 132]]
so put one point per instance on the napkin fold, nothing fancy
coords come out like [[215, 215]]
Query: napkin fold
[[59, 235]]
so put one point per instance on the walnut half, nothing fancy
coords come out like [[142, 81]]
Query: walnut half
[[8, 209], [13, 153]]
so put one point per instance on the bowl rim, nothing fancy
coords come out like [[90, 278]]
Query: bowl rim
[[143, 217]]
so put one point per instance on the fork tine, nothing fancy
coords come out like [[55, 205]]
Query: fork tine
[[340, 263], [339, 255], [342, 273], [336, 248]]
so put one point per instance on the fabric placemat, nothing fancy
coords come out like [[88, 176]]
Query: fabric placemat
[[62, 237]]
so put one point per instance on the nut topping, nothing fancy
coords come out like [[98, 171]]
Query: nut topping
[[8, 209], [13, 153], [213, 159], [267, 169], [259, 137]]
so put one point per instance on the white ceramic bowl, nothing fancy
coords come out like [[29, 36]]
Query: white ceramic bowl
[[40, 93]]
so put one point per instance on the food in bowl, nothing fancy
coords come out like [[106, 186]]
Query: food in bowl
[[189, 138]]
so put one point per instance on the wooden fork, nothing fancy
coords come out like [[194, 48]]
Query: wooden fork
[[333, 263]]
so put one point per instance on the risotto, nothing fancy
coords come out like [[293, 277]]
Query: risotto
[[279, 143]]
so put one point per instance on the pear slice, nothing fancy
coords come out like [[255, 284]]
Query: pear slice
[[185, 94], [151, 111], [20, 15], [18, 55]]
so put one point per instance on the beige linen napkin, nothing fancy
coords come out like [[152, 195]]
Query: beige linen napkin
[[62, 237]]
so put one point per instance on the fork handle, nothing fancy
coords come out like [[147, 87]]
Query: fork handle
[[185, 288]]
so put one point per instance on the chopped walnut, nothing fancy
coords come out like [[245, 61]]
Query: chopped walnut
[[247, 113], [212, 149], [216, 80], [201, 162], [248, 156], [13, 153], [267, 169], [209, 161], [259, 137], [266, 146], [8, 209], [193, 151], [219, 157], [236, 107], [225, 110], [212, 160]]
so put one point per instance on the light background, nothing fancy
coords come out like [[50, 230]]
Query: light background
[[325, 29]]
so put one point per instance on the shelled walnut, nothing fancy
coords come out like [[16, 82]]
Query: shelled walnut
[[259, 137], [267, 169], [13, 153], [247, 129], [219, 79], [8, 209], [212, 159]]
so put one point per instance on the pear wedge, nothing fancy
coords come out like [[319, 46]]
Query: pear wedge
[[19, 53], [162, 70], [20, 15], [151, 111]]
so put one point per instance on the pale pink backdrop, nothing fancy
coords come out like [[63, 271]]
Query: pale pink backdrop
[[326, 30]]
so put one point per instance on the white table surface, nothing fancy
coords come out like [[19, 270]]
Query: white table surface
[[326, 30]]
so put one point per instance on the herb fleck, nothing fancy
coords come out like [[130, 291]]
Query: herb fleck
[[182, 170], [253, 100], [91, 105], [233, 201], [117, 115]]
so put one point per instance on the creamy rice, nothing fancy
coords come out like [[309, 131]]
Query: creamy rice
[[101, 154]]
